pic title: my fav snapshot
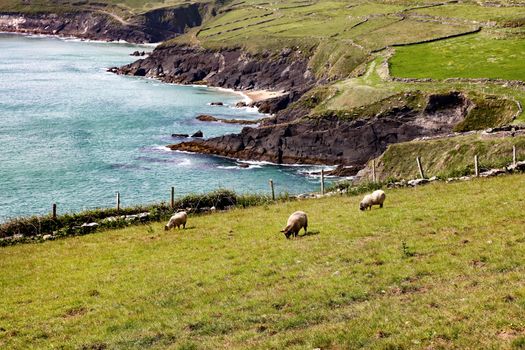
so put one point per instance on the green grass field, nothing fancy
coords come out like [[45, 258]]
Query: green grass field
[[440, 267], [474, 56]]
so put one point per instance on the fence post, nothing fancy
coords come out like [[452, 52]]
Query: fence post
[[172, 197], [514, 158], [420, 167], [322, 181], [118, 202], [54, 211], [273, 190], [373, 170], [476, 165]]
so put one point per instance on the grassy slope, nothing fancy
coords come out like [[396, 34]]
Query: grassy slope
[[259, 25], [448, 156], [232, 281]]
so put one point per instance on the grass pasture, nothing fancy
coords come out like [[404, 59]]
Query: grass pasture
[[440, 267], [473, 56]]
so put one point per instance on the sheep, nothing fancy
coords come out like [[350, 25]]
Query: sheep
[[178, 219], [295, 223], [376, 198]]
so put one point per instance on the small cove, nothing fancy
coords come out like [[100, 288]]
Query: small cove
[[74, 135]]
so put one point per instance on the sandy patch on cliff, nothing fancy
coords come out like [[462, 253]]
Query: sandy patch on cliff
[[261, 95]]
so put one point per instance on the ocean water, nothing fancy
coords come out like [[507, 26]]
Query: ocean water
[[73, 134]]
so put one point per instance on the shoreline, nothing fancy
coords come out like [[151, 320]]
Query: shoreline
[[72, 38]]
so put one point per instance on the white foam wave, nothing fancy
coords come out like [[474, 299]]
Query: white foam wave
[[162, 148]]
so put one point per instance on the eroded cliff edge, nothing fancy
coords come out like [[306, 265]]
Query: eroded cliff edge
[[98, 24], [335, 139], [232, 68]]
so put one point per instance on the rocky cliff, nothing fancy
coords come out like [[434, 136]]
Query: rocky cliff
[[154, 26], [336, 140], [229, 68]]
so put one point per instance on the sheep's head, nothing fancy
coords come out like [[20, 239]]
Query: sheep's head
[[362, 206], [166, 228], [286, 232]]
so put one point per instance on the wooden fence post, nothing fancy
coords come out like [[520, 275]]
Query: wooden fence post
[[118, 202], [273, 190], [514, 158], [476, 165], [172, 197], [54, 211], [322, 181], [373, 170], [420, 167]]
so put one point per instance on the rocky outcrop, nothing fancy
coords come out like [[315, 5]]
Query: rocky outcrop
[[335, 140], [210, 118], [229, 68], [99, 24]]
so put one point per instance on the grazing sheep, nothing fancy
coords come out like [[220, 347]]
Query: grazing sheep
[[295, 223], [376, 198], [178, 219]]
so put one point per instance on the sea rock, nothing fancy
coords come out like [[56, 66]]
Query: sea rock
[[210, 118], [180, 135], [216, 104], [241, 104], [198, 134]]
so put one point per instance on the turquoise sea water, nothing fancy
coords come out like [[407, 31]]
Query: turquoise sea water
[[73, 134]]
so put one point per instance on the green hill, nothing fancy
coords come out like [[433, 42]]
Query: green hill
[[440, 267]]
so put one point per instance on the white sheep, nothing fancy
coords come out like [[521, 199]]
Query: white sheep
[[295, 223], [178, 219], [376, 198]]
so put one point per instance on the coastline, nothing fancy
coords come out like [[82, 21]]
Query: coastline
[[72, 38]]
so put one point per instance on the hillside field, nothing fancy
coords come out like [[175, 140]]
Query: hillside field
[[440, 267]]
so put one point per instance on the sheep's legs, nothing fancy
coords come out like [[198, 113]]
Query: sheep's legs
[[381, 205]]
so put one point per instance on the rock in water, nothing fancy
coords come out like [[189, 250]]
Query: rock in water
[[207, 118], [180, 135], [198, 134], [216, 104]]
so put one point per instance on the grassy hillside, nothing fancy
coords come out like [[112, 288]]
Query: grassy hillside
[[440, 267], [447, 157]]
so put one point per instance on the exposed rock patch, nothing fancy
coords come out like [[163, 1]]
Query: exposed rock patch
[[210, 118]]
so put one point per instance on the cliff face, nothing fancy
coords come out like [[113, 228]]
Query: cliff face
[[231, 68], [153, 26], [332, 140]]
